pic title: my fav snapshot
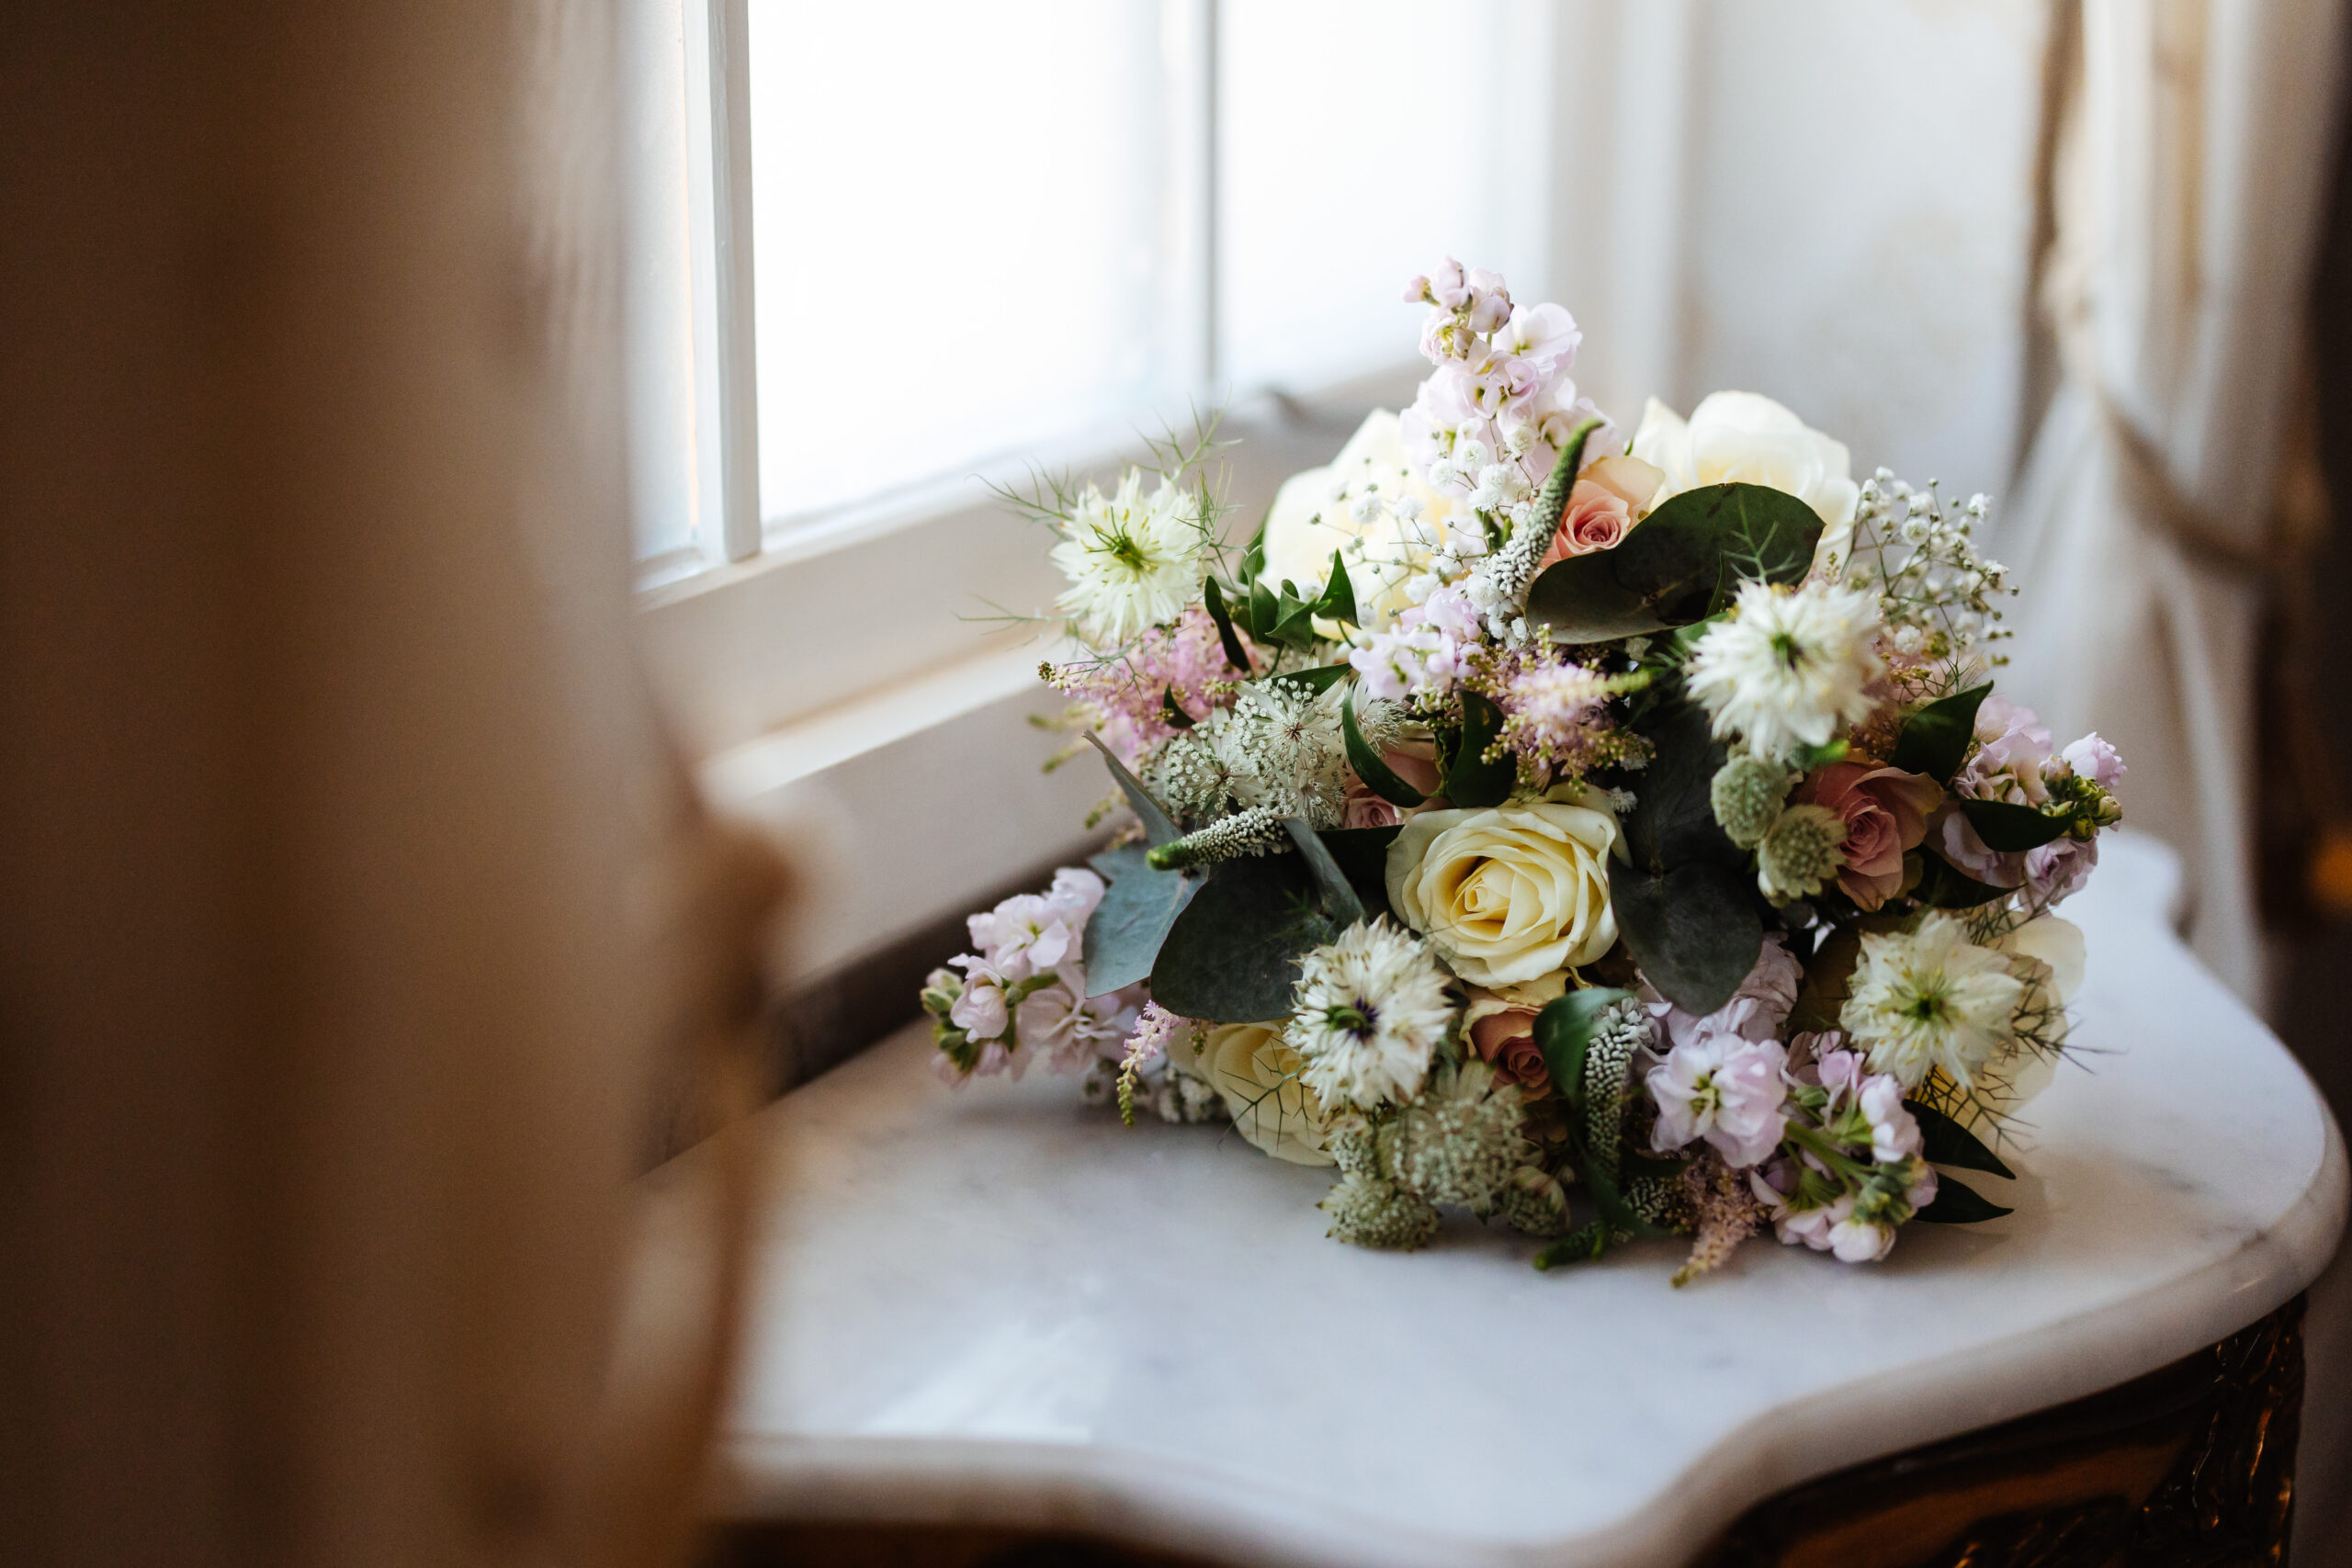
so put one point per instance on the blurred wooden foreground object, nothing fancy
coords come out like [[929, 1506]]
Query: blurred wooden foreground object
[[349, 904]]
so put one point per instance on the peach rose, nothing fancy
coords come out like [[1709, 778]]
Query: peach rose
[[1885, 812], [1501, 1030], [1609, 497]]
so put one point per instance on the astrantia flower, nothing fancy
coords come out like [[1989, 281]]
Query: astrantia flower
[[1133, 562], [1929, 999], [1370, 1009], [1723, 1090], [1789, 669]]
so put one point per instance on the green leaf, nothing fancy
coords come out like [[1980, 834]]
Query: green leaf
[[1376, 774], [1681, 563], [1264, 609], [1253, 560], [1934, 740], [1156, 828], [1213, 597], [1293, 619], [1172, 711], [1946, 1142], [1637, 1168], [1943, 887], [1693, 929], [1611, 1207], [1124, 934], [1339, 900], [1318, 680], [1339, 600], [1957, 1205], [1470, 779], [1811, 757], [2008, 828], [1363, 854], [1564, 1032], [1232, 955]]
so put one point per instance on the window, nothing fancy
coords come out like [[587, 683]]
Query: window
[[1029, 227]]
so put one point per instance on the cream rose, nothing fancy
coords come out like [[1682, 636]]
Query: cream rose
[[1315, 514], [1256, 1074], [1510, 894], [1741, 436]]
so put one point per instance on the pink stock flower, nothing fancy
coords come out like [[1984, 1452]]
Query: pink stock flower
[[1885, 812], [1756, 1010], [2015, 744], [2093, 758], [1725, 1089]]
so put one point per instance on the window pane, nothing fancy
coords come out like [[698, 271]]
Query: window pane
[[961, 217], [660, 300], [1359, 142]]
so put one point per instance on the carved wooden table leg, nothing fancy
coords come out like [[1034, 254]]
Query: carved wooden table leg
[[2192, 1465]]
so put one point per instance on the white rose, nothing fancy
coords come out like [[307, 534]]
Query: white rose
[[1742, 436], [1314, 514], [1256, 1074], [1507, 895]]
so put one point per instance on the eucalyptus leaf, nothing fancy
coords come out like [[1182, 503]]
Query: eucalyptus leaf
[[1681, 563], [1693, 929], [1945, 1142], [1213, 597], [2008, 828], [1564, 1032], [1363, 855], [1471, 780], [1942, 886], [1934, 740], [1376, 774], [1156, 828], [1673, 819], [1339, 900], [1232, 955], [1957, 1205], [1124, 934]]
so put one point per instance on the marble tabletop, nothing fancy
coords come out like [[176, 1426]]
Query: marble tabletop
[[1001, 1306]]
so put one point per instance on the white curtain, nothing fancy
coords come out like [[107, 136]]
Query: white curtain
[[2190, 163]]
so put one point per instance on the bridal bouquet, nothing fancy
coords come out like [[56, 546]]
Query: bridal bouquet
[[1617, 838]]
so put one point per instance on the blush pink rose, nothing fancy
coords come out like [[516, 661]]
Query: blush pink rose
[[1605, 502], [1507, 1040], [1414, 761], [1885, 812]]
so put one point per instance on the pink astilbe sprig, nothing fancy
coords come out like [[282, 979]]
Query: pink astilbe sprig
[[1123, 696], [1157, 1031], [1724, 1213], [1556, 716]]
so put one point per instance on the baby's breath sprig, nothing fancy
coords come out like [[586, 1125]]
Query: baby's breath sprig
[[1916, 552]]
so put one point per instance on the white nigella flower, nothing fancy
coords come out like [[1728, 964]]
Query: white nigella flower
[[1369, 1011], [1789, 669], [1133, 562], [1929, 998]]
